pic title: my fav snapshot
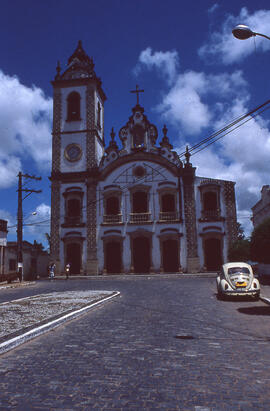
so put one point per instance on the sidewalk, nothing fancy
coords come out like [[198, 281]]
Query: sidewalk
[[26, 318], [265, 293]]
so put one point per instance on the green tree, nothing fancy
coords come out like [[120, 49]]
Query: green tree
[[240, 249], [240, 232], [260, 242]]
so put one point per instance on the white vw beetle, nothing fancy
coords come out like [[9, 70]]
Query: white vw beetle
[[237, 279]]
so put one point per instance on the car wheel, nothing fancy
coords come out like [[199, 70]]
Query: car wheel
[[257, 297], [220, 296]]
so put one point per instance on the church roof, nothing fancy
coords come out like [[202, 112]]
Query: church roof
[[80, 65], [138, 137]]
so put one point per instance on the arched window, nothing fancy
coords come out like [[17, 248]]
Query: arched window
[[73, 106], [167, 203], [112, 206]]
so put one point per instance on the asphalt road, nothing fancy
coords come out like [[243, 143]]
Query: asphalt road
[[166, 343]]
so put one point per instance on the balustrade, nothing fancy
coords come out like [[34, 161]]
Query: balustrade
[[168, 215], [140, 217], [112, 218], [211, 214]]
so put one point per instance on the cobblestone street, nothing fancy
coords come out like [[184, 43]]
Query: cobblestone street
[[166, 343]]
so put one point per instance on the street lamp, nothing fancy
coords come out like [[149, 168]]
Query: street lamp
[[243, 32]]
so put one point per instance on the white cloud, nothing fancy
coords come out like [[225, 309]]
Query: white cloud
[[196, 102], [38, 223], [212, 9], [223, 45], [186, 104], [25, 121], [35, 224], [165, 62], [9, 166]]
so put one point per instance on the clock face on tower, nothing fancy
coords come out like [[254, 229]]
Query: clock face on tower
[[73, 152]]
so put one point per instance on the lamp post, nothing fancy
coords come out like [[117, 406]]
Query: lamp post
[[243, 32]]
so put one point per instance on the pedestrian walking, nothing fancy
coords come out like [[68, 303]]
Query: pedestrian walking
[[67, 268], [51, 269]]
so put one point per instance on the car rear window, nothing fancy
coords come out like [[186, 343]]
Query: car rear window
[[235, 270]]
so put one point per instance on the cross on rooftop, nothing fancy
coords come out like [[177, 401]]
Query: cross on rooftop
[[137, 91]]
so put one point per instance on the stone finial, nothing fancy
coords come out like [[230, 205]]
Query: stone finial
[[112, 144], [165, 140], [165, 130], [58, 71], [112, 135]]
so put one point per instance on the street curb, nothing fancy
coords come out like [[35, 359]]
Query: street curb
[[130, 276], [4, 285], [35, 332], [265, 300]]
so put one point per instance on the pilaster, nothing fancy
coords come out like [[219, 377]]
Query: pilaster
[[55, 184], [55, 224], [92, 261], [231, 220]]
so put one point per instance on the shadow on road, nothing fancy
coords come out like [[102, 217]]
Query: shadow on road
[[255, 310]]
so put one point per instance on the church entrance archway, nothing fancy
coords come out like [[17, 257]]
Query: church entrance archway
[[73, 257], [141, 255], [212, 254], [170, 256], [113, 257]]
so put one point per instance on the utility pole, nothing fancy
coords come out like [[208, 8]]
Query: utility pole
[[20, 219]]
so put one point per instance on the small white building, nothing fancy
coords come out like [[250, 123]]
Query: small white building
[[35, 259], [130, 209]]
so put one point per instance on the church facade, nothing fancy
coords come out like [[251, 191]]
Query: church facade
[[131, 209]]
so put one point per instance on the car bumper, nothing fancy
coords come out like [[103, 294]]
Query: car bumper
[[242, 293]]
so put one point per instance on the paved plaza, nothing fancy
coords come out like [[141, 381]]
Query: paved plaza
[[165, 343]]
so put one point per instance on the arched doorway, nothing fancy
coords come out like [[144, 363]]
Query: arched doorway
[[141, 255], [113, 258], [212, 254], [73, 257], [170, 255]]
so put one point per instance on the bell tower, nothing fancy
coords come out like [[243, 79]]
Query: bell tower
[[77, 148]]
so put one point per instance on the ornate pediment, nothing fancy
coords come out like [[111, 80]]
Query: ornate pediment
[[138, 133]]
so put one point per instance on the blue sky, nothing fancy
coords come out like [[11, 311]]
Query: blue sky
[[196, 78]]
